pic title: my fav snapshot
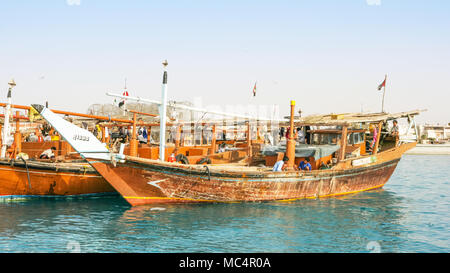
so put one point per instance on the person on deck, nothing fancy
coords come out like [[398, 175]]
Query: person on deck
[[145, 134], [48, 154], [394, 130], [33, 138], [374, 139], [301, 135], [140, 137], [47, 137], [307, 135], [305, 165], [281, 133], [281, 165]]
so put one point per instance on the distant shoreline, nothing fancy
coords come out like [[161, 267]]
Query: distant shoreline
[[430, 149]]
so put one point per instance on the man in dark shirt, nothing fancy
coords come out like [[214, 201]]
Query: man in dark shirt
[[305, 165]]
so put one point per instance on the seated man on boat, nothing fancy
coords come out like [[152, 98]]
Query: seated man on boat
[[281, 165], [32, 138], [48, 154], [141, 137], [305, 165], [222, 147]]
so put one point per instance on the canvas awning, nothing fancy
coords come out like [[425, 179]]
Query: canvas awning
[[302, 150]]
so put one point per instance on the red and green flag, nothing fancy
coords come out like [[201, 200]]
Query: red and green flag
[[383, 84]]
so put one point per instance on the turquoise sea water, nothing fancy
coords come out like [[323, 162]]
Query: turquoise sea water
[[410, 214]]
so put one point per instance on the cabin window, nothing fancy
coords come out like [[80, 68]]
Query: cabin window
[[355, 138], [322, 139]]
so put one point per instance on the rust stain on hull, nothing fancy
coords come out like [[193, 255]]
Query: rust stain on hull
[[141, 182], [181, 189]]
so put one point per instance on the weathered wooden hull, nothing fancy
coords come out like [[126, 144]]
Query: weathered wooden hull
[[50, 179], [142, 181]]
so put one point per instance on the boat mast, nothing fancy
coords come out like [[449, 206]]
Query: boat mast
[[162, 114], [290, 143], [384, 91], [5, 134]]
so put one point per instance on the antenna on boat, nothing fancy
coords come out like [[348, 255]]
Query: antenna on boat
[[162, 114], [5, 134]]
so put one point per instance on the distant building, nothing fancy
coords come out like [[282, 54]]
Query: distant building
[[436, 133]]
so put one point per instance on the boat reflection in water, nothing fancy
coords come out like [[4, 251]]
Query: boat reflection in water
[[321, 225]]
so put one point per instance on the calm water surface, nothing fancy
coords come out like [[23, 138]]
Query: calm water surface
[[411, 214]]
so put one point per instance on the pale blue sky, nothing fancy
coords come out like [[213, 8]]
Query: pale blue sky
[[329, 56]]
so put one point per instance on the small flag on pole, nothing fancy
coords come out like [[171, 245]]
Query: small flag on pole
[[383, 84], [254, 90], [125, 93]]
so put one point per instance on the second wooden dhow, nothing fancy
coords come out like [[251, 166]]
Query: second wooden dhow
[[143, 181]]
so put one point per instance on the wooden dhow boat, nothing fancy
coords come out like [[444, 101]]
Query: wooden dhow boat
[[350, 169], [24, 175], [71, 175], [38, 178]]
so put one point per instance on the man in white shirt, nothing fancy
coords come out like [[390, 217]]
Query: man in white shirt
[[281, 165], [47, 154], [33, 138], [301, 135], [141, 137], [47, 137]]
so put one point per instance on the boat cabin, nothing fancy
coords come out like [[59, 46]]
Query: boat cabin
[[324, 146]]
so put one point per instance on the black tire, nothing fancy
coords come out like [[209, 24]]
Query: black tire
[[204, 160], [182, 158]]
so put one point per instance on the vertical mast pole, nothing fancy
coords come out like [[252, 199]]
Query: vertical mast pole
[[384, 91], [290, 141], [6, 129], [162, 115], [133, 140], [213, 139], [343, 142]]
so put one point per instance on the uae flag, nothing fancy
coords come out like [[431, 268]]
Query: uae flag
[[383, 84], [254, 90], [125, 93]]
